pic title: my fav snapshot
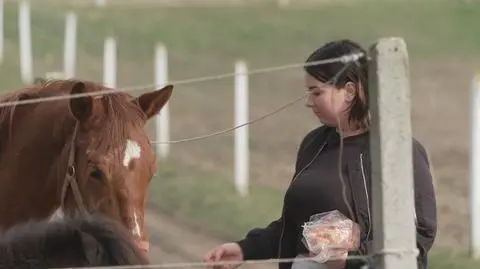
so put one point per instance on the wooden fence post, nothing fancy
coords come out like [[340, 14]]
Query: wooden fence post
[[391, 155]]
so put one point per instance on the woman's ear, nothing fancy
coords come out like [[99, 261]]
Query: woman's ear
[[350, 91]]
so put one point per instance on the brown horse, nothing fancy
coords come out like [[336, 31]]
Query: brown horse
[[83, 154]]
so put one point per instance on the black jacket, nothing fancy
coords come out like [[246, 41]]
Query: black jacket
[[274, 241]]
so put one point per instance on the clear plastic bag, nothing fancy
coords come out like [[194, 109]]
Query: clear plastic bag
[[330, 235]]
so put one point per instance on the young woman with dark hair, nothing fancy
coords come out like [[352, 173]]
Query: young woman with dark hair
[[338, 96]]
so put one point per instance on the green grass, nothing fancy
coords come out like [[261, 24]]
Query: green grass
[[209, 201]]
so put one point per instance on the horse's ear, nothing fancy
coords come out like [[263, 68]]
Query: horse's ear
[[152, 102], [81, 107], [92, 248]]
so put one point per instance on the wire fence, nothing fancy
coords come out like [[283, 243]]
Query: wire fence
[[369, 261], [343, 59]]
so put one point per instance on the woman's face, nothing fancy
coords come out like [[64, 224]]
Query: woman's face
[[327, 102]]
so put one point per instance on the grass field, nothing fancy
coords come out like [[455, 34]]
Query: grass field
[[443, 50]]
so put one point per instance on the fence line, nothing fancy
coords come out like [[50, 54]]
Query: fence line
[[366, 258], [241, 100], [241, 157]]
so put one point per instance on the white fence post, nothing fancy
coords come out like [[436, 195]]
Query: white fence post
[[2, 34], [242, 169], [25, 40], [162, 125], [474, 195], [69, 50], [110, 62], [391, 156]]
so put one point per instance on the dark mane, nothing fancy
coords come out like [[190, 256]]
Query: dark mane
[[72, 242], [115, 112]]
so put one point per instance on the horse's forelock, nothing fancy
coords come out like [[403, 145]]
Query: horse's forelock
[[116, 118]]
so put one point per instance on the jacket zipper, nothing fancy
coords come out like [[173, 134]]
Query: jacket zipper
[[367, 196], [283, 210]]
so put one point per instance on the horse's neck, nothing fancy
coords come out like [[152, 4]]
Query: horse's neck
[[32, 164]]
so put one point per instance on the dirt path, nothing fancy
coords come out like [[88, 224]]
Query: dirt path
[[173, 242]]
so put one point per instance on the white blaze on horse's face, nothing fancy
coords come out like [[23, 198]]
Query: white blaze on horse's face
[[136, 229], [132, 151]]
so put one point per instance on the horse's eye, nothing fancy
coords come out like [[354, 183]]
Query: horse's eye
[[96, 174]]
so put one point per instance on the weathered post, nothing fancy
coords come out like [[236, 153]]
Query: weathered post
[[391, 146]]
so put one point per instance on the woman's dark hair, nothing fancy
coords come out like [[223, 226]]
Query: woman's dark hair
[[338, 74]]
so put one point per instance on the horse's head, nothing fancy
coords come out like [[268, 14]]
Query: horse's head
[[112, 160]]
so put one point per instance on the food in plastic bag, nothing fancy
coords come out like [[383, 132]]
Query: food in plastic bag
[[327, 234]]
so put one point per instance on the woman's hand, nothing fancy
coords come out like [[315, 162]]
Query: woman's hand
[[229, 252]]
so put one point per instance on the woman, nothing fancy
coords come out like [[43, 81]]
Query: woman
[[318, 185]]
